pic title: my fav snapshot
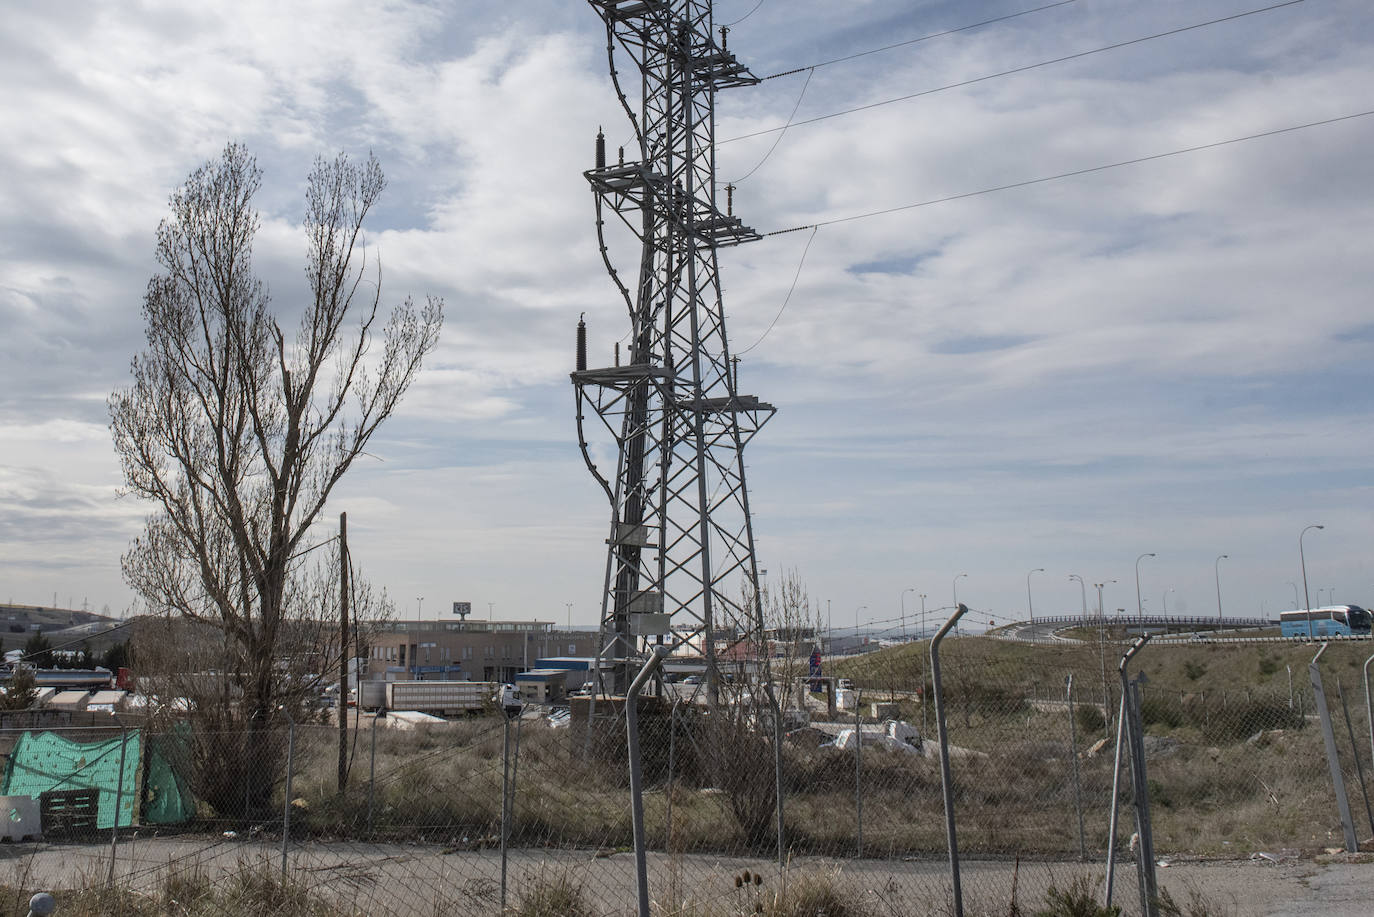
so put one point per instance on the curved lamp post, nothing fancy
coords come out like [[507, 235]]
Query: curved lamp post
[[954, 587], [1030, 607], [1082, 592], [1303, 558], [1216, 568], [1139, 606]]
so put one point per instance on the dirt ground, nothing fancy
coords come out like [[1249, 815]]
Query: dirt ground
[[411, 879]]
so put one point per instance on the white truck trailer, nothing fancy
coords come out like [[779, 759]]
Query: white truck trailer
[[441, 698]]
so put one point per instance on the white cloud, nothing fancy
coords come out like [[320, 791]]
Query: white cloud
[[1049, 376]]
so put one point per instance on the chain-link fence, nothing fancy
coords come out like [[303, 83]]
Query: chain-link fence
[[1223, 752]]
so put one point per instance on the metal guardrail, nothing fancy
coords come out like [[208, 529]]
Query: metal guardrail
[[1155, 621]]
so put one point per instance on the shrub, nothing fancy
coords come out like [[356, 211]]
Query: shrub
[[1242, 720], [556, 895], [1078, 900], [1161, 711], [1090, 719]]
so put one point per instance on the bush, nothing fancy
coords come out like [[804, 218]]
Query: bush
[[557, 895], [1090, 719], [1161, 711], [1078, 900], [1242, 720]]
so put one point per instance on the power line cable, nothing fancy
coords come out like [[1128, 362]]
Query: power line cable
[[788, 297], [1015, 70], [912, 41], [1021, 184], [1077, 172], [782, 133], [745, 16]]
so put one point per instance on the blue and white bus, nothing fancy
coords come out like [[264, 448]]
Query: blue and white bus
[[1343, 620]]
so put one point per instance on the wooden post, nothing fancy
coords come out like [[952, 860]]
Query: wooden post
[[343, 651]]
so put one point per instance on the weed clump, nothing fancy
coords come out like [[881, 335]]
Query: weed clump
[[1079, 899]]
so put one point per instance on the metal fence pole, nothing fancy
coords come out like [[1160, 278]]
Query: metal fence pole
[[119, 802], [672, 762], [946, 782], [286, 801], [1145, 845], [1116, 777], [779, 797], [372, 775], [1332, 759], [1077, 783], [505, 800], [1368, 707], [636, 777], [858, 776], [1355, 753]]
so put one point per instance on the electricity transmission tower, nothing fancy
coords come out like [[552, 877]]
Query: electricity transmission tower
[[681, 542]]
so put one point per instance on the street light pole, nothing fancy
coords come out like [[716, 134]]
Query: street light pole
[[1306, 597], [1139, 605], [1030, 606], [856, 623], [1082, 593], [902, 598], [1216, 568], [1297, 599], [570, 605], [1166, 608], [923, 613], [954, 586], [419, 608]]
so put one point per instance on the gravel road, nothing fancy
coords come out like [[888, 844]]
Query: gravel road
[[406, 879]]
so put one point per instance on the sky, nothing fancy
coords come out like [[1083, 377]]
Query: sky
[[1170, 357]]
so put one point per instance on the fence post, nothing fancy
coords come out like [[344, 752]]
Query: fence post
[[372, 768], [1116, 774], [672, 759], [119, 802], [946, 783], [777, 771], [636, 777], [286, 801], [1077, 784], [1355, 752], [1368, 707], [1332, 759], [858, 773], [1145, 846], [505, 799]]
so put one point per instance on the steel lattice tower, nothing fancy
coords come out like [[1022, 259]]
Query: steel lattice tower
[[681, 541]]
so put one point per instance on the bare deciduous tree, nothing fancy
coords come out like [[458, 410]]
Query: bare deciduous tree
[[237, 432]]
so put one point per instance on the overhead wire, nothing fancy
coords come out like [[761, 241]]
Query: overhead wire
[[783, 133], [786, 299], [814, 227], [912, 41], [1076, 172], [1015, 70], [745, 16]]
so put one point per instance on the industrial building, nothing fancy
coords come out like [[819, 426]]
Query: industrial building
[[469, 650]]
